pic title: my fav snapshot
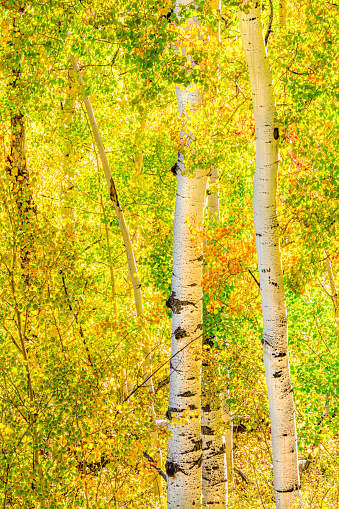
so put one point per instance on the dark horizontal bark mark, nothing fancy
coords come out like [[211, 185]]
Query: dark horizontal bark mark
[[113, 193], [179, 333], [170, 411], [206, 430], [172, 468], [176, 305], [290, 490], [175, 168], [187, 394]]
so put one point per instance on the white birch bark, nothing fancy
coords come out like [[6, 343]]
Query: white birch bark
[[275, 338], [184, 453], [214, 467]]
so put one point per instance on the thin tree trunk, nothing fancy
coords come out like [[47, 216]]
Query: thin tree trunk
[[139, 155], [112, 191], [157, 483], [17, 168], [214, 468], [109, 251], [334, 293], [282, 13], [111, 269], [275, 339]]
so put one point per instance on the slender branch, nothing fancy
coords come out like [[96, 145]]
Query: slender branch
[[255, 279], [153, 465], [161, 366], [269, 31], [242, 475]]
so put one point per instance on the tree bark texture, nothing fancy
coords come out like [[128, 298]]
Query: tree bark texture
[[17, 168], [275, 337], [214, 467], [334, 293], [184, 454]]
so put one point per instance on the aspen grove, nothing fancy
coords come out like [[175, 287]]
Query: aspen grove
[[169, 254]]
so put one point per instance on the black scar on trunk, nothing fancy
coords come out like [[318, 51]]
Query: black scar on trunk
[[176, 305], [171, 468], [175, 168], [180, 333]]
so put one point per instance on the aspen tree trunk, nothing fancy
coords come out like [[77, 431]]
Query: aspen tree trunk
[[215, 475], [334, 293], [111, 269], [112, 191], [184, 453], [139, 156], [217, 466], [275, 339], [17, 164], [213, 204], [128, 247], [282, 13]]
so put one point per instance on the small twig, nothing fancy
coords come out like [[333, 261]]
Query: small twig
[[255, 279], [158, 369], [75, 315], [256, 482], [242, 475], [162, 383]]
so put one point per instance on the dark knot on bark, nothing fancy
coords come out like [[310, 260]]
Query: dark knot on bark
[[171, 468], [175, 168]]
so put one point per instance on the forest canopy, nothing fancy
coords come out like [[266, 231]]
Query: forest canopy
[[169, 252]]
